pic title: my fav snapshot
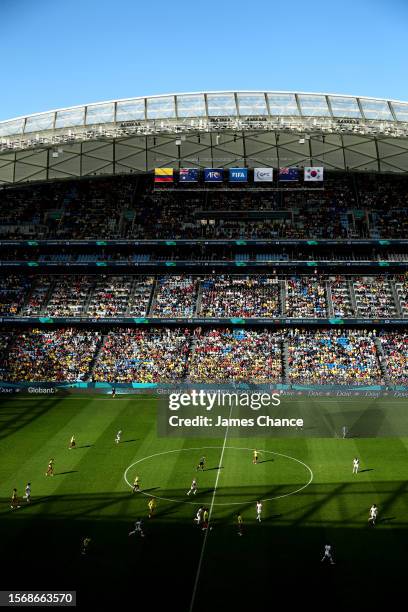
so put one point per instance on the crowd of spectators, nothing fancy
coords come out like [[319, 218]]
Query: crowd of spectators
[[340, 297], [145, 356], [401, 286], [225, 295], [129, 207], [395, 349], [235, 355], [50, 356], [37, 297], [374, 297], [151, 355], [69, 296], [176, 296], [333, 356], [240, 296], [305, 297], [13, 291]]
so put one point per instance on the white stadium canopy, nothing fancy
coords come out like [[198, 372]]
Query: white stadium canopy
[[212, 129]]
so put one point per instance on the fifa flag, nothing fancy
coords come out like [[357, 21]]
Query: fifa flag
[[263, 175], [188, 175], [238, 175], [314, 173], [213, 175], [288, 174], [163, 175]]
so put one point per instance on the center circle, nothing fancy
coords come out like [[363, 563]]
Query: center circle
[[201, 448]]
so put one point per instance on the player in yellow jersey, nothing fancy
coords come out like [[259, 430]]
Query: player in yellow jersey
[[255, 457], [14, 500], [50, 468], [85, 545], [72, 443], [240, 524], [136, 485], [205, 519], [152, 506]]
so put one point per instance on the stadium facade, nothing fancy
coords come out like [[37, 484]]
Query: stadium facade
[[227, 129]]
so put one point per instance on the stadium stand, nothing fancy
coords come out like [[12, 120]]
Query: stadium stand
[[225, 295], [322, 356], [226, 355], [340, 356], [246, 296], [122, 207], [135, 355], [58, 355]]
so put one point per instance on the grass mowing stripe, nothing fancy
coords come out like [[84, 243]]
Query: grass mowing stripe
[[197, 578]]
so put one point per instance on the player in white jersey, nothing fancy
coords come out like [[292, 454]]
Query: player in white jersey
[[258, 510], [344, 430], [138, 528], [28, 493], [373, 515], [193, 488], [356, 465], [199, 516], [118, 436], [328, 555]]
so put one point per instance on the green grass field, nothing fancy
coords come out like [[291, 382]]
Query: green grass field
[[275, 560]]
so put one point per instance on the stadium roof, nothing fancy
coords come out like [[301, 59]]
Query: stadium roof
[[249, 128]]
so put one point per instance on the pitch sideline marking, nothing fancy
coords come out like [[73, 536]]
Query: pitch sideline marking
[[180, 450]]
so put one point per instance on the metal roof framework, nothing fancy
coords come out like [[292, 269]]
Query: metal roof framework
[[214, 129]]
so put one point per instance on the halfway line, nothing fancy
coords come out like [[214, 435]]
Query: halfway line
[[209, 519]]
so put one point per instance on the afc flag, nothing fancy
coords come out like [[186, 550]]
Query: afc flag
[[213, 175], [188, 175], [288, 174]]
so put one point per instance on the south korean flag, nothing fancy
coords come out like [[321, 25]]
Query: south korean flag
[[314, 173]]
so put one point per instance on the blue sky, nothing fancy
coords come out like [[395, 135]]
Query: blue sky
[[58, 53]]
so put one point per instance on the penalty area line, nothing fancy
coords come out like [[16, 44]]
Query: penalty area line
[[197, 578]]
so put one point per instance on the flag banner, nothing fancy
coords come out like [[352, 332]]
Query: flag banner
[[263, 175], [314, 173], [213, 175], [188, 175], [238, 175], [163, 175], [288, 174]]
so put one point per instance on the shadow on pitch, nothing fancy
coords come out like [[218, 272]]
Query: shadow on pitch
[[387, 519], [62, 473], [367, 470], [220, 467]]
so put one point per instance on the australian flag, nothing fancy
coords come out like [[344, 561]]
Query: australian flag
[[188, 175], [288, 174]]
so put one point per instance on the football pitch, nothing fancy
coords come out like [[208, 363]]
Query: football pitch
[[310, 498]]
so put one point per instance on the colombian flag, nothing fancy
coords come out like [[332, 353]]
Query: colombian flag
[[163, 175]]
